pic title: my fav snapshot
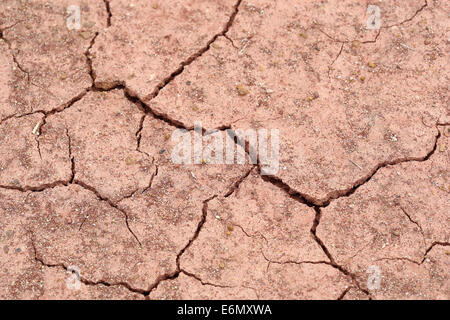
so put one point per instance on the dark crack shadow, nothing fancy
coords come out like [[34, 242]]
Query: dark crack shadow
[[108, 12], [110, 203], [328, 254], [83, 280]]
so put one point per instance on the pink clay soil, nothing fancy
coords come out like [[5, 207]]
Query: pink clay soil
[[87, 180]]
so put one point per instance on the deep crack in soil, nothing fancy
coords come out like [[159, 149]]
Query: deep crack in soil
[[144, 105]]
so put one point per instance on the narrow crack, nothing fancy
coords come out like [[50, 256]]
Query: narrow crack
[[108, 12], [231, 41], [138, 133], [334, 60], [159, 279], [410, 18], [133, 97], [328, 254], [331, 37], [198, 54], [348, 41], [128, 93], [71, 157], [399, 259], [236, 185], [197, 231], [373, 40], [342, 295], [328, 263], [82, 222], [379, 31], [60, 183], [20, 67], [178, 270], [148, 110], [151, 180], [53, 111], [293, 261], [205, 283], [302, 198], [413, 221], [346, 193], [436, 243], [111, 203], [69, 103], [149, 186], [16, 62], [39, 188], [7, 118], [38, 145], [255, 235], [89, 59], [72, 180], [312, 202], [83, 280]]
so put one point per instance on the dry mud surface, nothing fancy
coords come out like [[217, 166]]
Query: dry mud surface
[[86, 177]]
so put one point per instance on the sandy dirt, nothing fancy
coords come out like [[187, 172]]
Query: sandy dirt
[[93, 207]]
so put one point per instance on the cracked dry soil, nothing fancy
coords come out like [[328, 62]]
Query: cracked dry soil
[[86, 178]]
